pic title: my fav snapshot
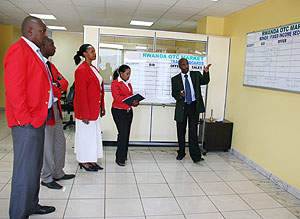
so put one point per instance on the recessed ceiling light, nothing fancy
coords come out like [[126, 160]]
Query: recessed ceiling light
[[44, 16], [110, 45], [141, 23], [57, 28], [214, 0]]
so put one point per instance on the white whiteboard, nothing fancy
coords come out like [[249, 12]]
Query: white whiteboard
[[273, 58], [151, 73]]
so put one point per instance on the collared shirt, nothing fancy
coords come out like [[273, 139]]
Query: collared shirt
[[190, 82], [97, 74], [45, 61], [35, 48], [125, 82]]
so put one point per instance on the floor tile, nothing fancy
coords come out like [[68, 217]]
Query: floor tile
[[253, 175], [82, 208], [154, 185], [6, 166], [160, 206], [250, 214], [131, 217], [113, 168], [89, 178], [120, 178], [244, 187], [5, 192], [186, 189], [205, 216], [149, 178], [229, 203], [267, 185], [178, 177], [201, 166], [145, 167], [87, 191], [216, 188], [63, 193], [231, 175], [171, 167], [166, 217], [5, 177], [122, 191], [277, 213], [4, 207], [286, 199], [154, 190], [295, 211], [123, 207], [205, 177], [260, 201], [194, 205], [220, 166]]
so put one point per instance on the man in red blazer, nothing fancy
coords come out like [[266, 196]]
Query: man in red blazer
[[28, 105], [55, 141]]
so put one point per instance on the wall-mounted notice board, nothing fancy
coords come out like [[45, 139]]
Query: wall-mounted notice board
[[151, 73], [273, 58]]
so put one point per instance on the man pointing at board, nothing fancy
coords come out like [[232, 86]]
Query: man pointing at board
[[189, 103]]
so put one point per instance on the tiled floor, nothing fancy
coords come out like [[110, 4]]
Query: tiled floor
[[154, 185]]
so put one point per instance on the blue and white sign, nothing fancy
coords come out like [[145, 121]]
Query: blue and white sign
[[151, 73]]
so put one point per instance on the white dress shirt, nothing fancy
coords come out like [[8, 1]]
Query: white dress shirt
[[125, 82], [35, 48], [97, 74], [190, 82]]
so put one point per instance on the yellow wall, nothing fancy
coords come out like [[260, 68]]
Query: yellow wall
[[266, 122], [67, 44], [9, 35], [211, 26]]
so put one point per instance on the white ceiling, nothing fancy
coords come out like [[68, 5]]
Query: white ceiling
[[173, 15]]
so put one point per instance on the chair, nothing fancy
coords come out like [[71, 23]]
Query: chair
[[69, 106]]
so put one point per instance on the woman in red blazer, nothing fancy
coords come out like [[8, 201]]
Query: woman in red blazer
[[122, 113], [89, 108]]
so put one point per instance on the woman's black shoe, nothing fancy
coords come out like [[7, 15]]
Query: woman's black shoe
[[121, 164], [95, 166], [90, 168]]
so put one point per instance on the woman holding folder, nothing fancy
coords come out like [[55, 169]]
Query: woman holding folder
[[122, 113]]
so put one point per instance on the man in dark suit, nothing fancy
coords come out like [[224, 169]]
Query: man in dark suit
[[28, 105], [189, 104], [55, 141]]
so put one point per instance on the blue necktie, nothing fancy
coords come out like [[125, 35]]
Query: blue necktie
[[188, 93]]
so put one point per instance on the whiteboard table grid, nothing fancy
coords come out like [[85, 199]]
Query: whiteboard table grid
[[152, 76], [273, 59]]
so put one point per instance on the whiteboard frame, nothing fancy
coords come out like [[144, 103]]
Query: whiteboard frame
[[257, 86]]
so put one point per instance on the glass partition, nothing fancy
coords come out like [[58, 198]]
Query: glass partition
[[113, 47]]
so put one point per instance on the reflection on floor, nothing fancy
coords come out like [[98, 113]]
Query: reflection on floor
[[154, 185]]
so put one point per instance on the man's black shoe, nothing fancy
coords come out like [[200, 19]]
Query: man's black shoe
[[65, 177], [180, 157], [43, 210], [197, 161], [52, 185]]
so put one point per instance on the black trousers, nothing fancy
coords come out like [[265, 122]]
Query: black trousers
[[28, 145], [123, 120], [192, 117]]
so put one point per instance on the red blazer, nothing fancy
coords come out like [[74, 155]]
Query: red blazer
[[57, 91], [27, 86], [120, 92], [89, 94]]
